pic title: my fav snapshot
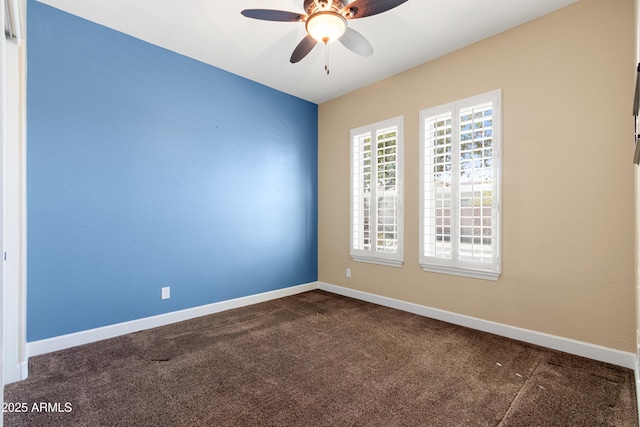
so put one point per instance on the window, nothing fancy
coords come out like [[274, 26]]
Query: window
[[376, 193], [460, 187]]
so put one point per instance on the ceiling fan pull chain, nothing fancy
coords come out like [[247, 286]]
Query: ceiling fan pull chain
[[326, 58]]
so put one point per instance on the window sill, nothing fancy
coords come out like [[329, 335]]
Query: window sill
[[476, 274], [387, 262]]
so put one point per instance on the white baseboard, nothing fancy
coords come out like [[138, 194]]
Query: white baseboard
[[48, 345], [17, 372], [24, 370], [636, 375], [579, 348]]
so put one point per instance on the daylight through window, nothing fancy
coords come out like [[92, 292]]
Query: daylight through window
[[376, 193], [460, 187]]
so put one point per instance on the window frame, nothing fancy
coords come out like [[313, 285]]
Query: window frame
[[373, 255], [455, 265]]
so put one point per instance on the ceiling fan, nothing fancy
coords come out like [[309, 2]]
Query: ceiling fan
[[326, 22]]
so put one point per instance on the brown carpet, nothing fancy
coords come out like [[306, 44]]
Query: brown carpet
[[318, 359]]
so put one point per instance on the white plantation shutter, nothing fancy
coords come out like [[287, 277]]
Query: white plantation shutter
[[361, 192], [437, 176], [478, 194], [459, 188], [387, 190], [376, 193]]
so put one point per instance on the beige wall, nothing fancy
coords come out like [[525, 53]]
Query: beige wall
[[568, 193]]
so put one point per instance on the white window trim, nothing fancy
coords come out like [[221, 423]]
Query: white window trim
[[13, 192], [373, 256], [452, 266]]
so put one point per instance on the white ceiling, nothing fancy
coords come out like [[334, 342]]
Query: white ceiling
[[214, 32]]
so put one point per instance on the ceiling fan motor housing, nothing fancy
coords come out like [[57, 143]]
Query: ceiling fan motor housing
[[314, 6]]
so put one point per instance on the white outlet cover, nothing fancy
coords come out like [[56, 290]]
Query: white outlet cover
[[166, 292]]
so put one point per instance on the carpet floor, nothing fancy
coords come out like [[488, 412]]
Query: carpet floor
[[318, 359]]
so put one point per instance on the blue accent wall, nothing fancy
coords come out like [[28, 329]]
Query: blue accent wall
[[148, 169]]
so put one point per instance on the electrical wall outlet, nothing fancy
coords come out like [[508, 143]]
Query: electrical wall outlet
[[166, 292], [348, 272]]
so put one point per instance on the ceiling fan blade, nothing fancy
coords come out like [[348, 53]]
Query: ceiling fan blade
[[272, 15], [362, 8], [356, 43], [303, 48]]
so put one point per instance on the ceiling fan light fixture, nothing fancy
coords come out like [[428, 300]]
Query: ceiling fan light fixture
[[326, 27]]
